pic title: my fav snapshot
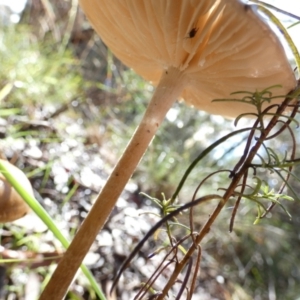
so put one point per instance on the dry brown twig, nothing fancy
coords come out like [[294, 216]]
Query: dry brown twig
[[240, 175]]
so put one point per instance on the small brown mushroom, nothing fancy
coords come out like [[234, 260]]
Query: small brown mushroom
[[197, 50], [12, 206]]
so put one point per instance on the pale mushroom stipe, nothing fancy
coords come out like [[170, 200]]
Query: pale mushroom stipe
[[191, 50]]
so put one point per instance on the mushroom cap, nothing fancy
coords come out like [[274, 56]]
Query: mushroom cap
[[12, 205], [222, 46]]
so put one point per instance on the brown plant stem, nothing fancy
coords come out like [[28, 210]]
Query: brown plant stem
[[229, 192], [166, 93]]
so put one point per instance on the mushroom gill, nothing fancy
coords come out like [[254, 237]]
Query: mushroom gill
[[231, 49]]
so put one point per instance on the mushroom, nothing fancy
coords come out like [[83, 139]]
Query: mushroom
[[196, 50], [12, 205]]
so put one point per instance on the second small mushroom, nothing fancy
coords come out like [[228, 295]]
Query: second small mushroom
[[12, 206], [190, 49]]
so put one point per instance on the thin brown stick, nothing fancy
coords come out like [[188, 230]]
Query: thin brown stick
[[251, 135], [186, 278], [194, 197], [237, 203], [155, 227], [195, 275], [285, 124], [160, 268], [242, 169]]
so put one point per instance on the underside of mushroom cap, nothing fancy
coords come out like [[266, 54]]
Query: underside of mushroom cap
[[222, 46]]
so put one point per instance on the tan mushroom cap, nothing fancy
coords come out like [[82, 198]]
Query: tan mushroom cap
[[12, 206], [222, 46]]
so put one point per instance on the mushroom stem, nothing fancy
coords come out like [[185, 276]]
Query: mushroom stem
[[168, 90]]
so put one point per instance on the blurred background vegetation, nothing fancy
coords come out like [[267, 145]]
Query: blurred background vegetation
[[68, 108]]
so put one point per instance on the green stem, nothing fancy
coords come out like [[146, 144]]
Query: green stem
[[43, 215]]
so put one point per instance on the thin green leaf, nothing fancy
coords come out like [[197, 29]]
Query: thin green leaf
[[44, 216]]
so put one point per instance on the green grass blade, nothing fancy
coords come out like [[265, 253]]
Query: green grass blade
[[44, 216]]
